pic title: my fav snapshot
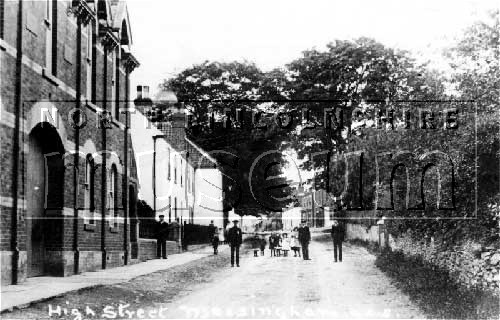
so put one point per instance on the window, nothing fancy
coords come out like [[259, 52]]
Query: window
[[175, 208], [170, 209], [116, 83], [112, 197], [113, 81], [51, 36], [89, 191], [90, 58], [168, 163], [175, 169], [181, 170], [192, 181]]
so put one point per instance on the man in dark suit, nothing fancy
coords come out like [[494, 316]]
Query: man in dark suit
[[161, 238], [338, 235], [234, 237], [304, 239]]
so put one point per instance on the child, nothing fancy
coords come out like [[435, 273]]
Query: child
[[255, 245], [262, 245], [285, 244], [295, 245], [272, 245], [215, 243]]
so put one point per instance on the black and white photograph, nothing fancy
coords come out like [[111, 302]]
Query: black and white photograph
[[237, 159]]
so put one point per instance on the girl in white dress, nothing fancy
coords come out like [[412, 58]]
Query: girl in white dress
[[285, 244]]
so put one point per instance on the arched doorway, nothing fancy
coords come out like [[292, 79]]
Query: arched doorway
[[134, 225], [44, 191]]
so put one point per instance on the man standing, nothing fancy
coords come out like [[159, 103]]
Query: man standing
[[161, 238], [304, 239], [337, 236], [234, 237]]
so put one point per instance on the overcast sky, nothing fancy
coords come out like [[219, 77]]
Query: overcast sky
[[172, 35]]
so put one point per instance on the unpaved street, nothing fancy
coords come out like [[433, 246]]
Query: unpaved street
[[266, 287], [263, 287]]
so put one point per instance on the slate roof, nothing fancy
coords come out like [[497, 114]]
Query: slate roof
[[198, 158]]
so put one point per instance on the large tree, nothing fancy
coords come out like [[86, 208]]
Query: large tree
[[213, 93]]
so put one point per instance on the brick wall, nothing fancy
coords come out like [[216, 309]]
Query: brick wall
[[60, 91], [469, 263]]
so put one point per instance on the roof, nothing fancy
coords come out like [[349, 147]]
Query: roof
[[198, 157]]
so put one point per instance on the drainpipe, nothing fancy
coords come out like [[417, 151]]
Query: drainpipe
[[154, 174], [126, 194], [103, 152], [15, 151], [76, 179]]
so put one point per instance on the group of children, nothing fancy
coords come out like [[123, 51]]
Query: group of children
[[277, 243]]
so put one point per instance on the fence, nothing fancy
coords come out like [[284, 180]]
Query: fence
[[196, 234]]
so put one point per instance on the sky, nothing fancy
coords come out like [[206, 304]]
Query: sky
[[170, 36]]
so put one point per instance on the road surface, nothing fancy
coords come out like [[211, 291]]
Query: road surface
[[290, 287], [263, 287]]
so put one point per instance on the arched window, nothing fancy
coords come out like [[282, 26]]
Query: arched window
[[113, 197], [89, 187]]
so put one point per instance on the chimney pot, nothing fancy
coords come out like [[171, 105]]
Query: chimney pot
[[139, 92]]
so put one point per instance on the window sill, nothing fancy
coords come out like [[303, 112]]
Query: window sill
[[52, 79], [89, 227]]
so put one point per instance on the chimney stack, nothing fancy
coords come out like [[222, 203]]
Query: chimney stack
[[142, 92]]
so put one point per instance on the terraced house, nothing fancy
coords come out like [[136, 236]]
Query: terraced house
[[68, 175]]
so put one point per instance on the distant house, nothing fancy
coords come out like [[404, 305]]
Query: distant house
[[291, 218], [315, 207]]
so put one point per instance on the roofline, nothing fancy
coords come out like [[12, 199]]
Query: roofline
[[200, 150]]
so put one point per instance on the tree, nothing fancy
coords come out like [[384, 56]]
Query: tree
[[212, 93]]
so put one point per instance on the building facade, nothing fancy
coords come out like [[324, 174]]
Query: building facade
[[183, 184], [315, 208], [68, 175]]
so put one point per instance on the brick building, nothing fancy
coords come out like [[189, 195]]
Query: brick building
[[68, 175]]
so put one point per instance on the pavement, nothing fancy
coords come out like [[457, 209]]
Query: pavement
[[289, 287], [43, 288]]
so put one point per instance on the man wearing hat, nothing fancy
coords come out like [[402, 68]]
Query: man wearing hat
[[304, 239], [161, 238], [234, 237]]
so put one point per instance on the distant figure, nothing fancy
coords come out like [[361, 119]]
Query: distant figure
[[338, 235], [262, 245], [285, 244], [255, 245], [272, 245], [304, 239], [295, 245], [234, 238], [161, 237], [214, 236], [221, 236]]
